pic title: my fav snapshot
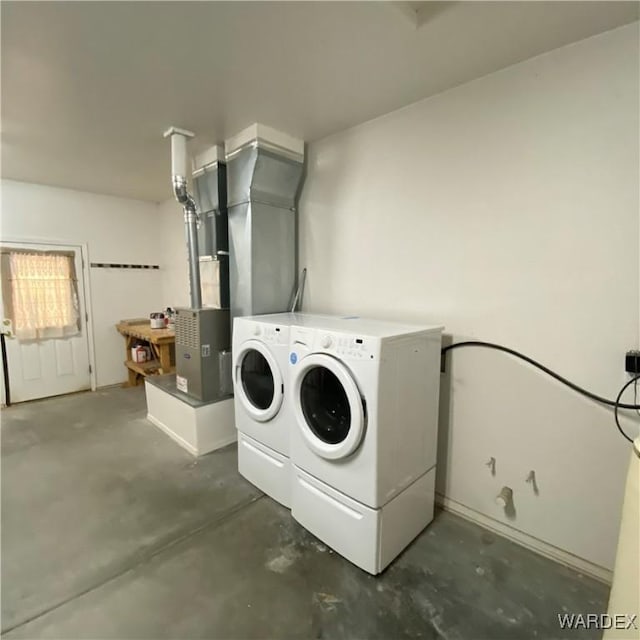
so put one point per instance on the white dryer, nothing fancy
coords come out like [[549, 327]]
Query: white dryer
[[364, 399], [262, 412]]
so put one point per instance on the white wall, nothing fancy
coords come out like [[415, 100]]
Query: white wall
[[117, 230], [506, 209]]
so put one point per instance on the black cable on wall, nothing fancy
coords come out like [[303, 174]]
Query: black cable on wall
[[616, 404], [5, 371]]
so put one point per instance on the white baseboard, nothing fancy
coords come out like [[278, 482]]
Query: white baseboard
[[515, 535], [219, 444], [174, 436]]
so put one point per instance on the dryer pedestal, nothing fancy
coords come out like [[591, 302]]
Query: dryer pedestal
[[263, 419], [265, 468], [370, 538]]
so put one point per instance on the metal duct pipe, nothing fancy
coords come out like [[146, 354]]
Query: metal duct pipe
[[210, 194], [264, 178], [191, 236], [179, 139]]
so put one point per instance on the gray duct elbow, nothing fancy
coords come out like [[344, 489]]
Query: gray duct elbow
[[179, 184]]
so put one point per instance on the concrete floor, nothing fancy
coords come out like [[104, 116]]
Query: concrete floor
[[110, 530]]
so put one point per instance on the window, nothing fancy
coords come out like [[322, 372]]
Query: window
[[41, 293], [257, 379], [325, 405]]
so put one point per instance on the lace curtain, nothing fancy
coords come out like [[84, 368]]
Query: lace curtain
[[44, 295]]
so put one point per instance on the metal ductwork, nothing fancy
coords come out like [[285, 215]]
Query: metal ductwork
[[203, 335], [179, 139], [240, 227], [264, 173], [210, 193]]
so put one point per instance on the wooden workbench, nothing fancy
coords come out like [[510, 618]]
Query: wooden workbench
[[162, 344]]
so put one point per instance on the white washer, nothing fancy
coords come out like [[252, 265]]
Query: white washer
[[364, 398], [263, 415]]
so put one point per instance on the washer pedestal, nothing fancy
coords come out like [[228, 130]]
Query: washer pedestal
[[370, 538], [199, 427]]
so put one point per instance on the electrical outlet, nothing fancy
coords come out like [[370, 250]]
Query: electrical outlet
[[632, 362]]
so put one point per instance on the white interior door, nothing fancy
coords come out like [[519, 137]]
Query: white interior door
[[55, 366]]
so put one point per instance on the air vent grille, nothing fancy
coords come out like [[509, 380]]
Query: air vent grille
[[187, 329]]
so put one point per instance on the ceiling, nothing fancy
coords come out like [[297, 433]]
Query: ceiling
[[89, 87]]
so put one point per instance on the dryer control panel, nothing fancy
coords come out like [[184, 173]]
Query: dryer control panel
[[344, 345], [276, 335], [271, 334]]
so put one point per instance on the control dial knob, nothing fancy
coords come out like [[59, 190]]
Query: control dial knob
[[325, 342]]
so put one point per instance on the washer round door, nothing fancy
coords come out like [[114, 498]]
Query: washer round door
[[258, 381], [328, 406]]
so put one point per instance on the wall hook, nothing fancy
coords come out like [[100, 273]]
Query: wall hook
[[531, 479], [491, 463]]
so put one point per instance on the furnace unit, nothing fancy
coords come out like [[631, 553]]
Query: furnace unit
[[203, 353]]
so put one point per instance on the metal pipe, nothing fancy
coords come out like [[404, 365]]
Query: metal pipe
[[179, 139], [297, 299], [191, 235]]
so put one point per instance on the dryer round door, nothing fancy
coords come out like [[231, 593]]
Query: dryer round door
[[328, 406], [258, 381]]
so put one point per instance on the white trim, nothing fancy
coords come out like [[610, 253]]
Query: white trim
[[257, 131], [520, 537], [173, 435], [222, 442], [31, 240], [88, 308], [86, 290], [207, 157]]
